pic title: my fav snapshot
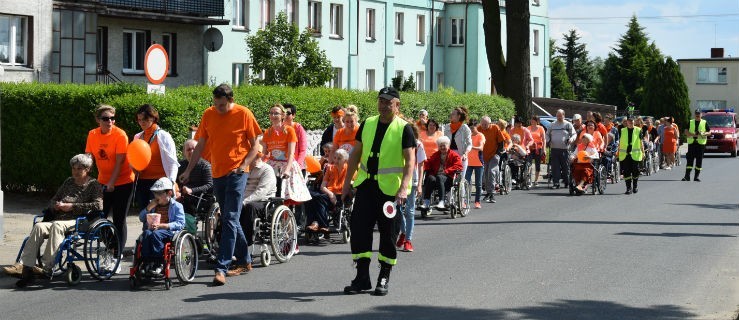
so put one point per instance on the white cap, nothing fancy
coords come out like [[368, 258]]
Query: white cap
[[162, 184], [576, 116]]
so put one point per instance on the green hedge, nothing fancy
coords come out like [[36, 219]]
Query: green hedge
[[44, 125]]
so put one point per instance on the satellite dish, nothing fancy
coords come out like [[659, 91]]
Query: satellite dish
[[212, 39]]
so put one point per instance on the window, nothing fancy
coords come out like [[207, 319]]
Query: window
[[267, 13], [457, 32], [399, 74], [240, 13], [439, 80], [536, 42], [399, 27], [337, 20], [712, 75], [440, 31], [314, 16], [13, 40], [535, 89], [240, 74], [420, 81], [134, 50], [370, 34], [291, 10], [169, 42], [535, 3], [336, 80], [370, 83], [101, 45], [711, 104], [74, 56], [421, 29]]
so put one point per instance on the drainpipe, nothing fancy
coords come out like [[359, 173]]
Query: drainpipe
[[357, 52], [466, 23], [431, 45]]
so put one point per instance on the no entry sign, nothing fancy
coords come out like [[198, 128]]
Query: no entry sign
[[156, 64]]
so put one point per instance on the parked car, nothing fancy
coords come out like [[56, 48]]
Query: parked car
[[723, 125]]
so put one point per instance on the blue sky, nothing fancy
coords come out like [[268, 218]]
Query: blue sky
[[680, 35]]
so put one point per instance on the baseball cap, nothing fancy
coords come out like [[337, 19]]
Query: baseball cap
[[697, 111], [162, 184], [388, 93]]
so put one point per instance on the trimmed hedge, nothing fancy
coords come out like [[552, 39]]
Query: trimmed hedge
[[44, 125]]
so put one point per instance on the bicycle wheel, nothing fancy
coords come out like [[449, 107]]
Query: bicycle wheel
[[284, 234], [186, 257]]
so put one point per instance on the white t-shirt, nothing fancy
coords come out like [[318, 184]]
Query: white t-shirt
[[420, 158]]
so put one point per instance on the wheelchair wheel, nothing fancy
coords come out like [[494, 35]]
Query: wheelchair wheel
[[463, 198], [506, 183], [186, 257], [73, 274], [601, 180], [167, 284], [266, 258], [527, 174], [133, 282], [102, 250], [284, 235], [212, 230], [616, 171]]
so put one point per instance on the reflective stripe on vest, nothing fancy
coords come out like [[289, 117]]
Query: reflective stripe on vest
[[391, 161], [623, 144], [701, 129]]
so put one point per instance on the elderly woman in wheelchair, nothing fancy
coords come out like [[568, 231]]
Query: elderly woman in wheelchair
[[583, 172], [440, 170], [77, 196]]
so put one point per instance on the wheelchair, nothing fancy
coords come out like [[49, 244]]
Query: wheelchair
[[182, 248], [650, 162], [276, 229], [599, 178], [612, 166], [101, 249], [338, 219], [459, 202], [522, 175], [208, 215], [506, 182]]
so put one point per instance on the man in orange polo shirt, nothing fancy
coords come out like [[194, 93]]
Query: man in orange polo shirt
[[229, 130], [491, 155]]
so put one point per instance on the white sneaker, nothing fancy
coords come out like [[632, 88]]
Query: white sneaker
[[440, 205]]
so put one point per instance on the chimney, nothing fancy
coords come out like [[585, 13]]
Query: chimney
[[717, 52]]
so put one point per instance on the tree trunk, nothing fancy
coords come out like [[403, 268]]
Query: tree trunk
[[519, 56], [494, 47]]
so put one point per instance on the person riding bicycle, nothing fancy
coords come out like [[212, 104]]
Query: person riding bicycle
[[440, 168]]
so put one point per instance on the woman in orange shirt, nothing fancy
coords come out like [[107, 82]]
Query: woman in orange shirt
[[329, 195], [537, 152], [279, 143], [429, 136], [345, 138], [597, 139], [163, 161], [475, 161], [669, 144]]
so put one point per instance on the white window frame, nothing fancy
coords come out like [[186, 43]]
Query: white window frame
[[711, 75], [314, 16], [457, 31], [240, 14], [291, 10], [370, 79], [535, 3], [710, 104], [12, 47], [170, 54], [336, 80], [370, 32], [535, 41], [337, 20], [420, 29], [399, 73], [439, 31], [420, 81], [399, 24], [246, 70], [439, 80], [135, 34], [535, 87], [266, 12]]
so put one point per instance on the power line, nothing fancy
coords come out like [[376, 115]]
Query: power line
[[651, 17]]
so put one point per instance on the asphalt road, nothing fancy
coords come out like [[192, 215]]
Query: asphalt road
[[668, 252]]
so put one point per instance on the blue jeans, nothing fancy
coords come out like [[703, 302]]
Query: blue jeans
[[478, 180], [229, 191], [152, 243], [408, 219]]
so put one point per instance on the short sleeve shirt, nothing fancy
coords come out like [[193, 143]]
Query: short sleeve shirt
[[228, 137], [104, 148], [277, 142]]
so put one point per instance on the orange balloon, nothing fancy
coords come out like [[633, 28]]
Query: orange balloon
[[582, 156], [312, 164], [138, 154]]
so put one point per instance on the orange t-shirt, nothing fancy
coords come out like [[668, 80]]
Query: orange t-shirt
[[597, 139], [538, 134], [473, 157], [335, 178], [104, 148], [345, 139], [277, 142], [506, 138], [228, 137], [429, 142], [155, 169], [493, 137]]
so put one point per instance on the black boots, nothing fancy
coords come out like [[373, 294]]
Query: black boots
[[628, 187], [26, 277], [697, 173], [383, 279], [687, 175], [636, 188], [362, 281]]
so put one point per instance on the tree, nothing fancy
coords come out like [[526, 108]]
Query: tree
[[288, 57], [665, 93], [629, 64], [561, 87], [578, 66], [409, 84], [512, 76]]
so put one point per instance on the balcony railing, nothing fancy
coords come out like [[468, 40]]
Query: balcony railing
[[199, 8]]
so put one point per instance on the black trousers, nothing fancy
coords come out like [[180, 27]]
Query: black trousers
[[117, 201], [629, 168], [248, 212], [695, 154], [441, 182], [367, 212]]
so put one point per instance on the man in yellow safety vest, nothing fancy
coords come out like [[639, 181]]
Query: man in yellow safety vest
[[697, 135], [630, 153]]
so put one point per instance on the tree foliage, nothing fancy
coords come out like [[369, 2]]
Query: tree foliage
[[665, 92], [287, 56], [561, 87], [511, 71], [625, 71], [578, 66]]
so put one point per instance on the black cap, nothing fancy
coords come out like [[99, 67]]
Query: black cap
[[388, 93], [697, 111]]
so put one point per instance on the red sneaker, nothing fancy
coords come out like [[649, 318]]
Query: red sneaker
[[408, 247], [478, 205], [401, 241]]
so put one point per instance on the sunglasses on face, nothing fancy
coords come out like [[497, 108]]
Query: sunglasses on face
[[275, 114], [107, 118]]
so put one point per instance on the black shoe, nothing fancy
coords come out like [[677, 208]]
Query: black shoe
[[555, 186], [636, 190], [26, 277], [696, 179], [358, 285], [383, 280], [490, 198], [686, 178], [628, 191]]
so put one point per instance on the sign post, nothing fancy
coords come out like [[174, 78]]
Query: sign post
[[156, 67]]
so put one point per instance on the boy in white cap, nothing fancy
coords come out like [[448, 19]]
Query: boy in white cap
[[171, 220]]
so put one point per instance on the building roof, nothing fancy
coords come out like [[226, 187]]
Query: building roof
[[708, 59], [570, 107]]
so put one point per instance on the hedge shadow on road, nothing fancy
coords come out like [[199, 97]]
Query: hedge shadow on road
[[676, 234], [602, 310]]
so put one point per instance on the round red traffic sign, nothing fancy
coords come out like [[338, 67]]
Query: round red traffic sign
[[156, 64]]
